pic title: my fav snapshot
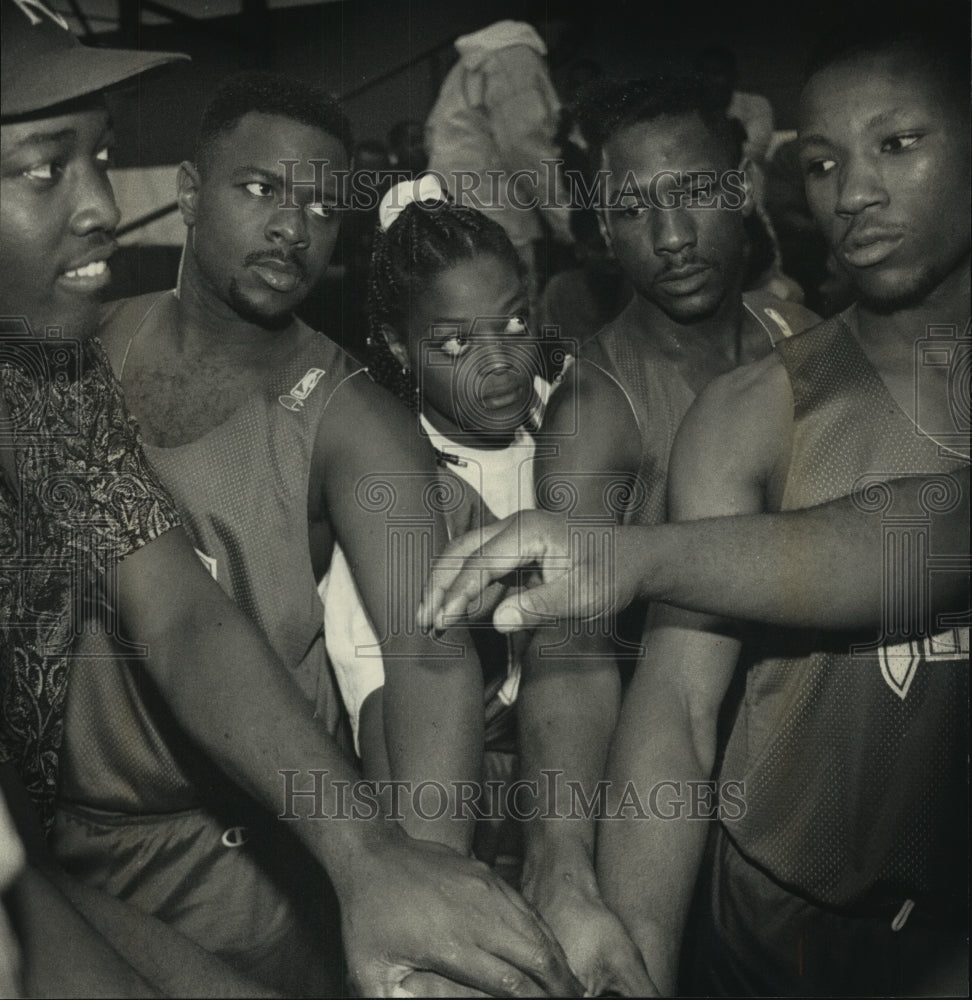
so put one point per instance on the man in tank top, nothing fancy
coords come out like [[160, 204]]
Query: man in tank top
[[841, 866], [274, 444], [674, 196]]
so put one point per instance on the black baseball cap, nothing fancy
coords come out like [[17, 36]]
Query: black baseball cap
[[45, 65]]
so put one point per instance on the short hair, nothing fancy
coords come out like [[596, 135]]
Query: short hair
[[940, 28], [609, 106], [270, 94], [426, 239]]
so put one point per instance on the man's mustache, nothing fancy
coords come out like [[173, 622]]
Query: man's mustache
[[278, 256]]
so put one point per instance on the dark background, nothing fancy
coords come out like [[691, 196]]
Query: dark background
[[354, 48]]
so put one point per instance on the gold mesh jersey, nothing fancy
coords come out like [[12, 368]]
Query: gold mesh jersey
[[854, 763]]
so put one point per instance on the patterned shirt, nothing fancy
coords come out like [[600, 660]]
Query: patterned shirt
[[85, 498]]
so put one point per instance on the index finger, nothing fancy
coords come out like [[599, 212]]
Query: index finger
[[501, 555], [450, 564]]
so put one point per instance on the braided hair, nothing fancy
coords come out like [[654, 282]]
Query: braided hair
[[426, 239]]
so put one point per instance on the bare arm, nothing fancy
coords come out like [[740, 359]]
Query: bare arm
[[667, 733], [379, 489], [46, 947], [63, 954], [740, 566], [78, 940], [823, 567], [666, 737], [570, 693]]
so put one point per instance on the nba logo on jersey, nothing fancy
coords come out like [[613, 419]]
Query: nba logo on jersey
[[899, 662], [294, 400]]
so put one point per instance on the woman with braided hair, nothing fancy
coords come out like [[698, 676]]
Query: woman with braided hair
[[450, 336]]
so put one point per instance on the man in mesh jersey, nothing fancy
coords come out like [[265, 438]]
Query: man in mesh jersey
[[844, 872], [675, 198]]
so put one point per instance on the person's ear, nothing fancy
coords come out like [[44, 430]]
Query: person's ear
[[747, 171], [395, 345], [188, 191]]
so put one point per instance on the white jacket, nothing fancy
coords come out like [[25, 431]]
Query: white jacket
[[498, 111]]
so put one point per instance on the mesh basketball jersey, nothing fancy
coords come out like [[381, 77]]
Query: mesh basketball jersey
[[854, 765], [242, 489], [660, 397]]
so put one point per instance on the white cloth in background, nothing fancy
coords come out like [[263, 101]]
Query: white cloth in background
[[756, 114], [498, 111]]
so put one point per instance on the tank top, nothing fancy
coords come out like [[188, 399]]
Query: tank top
[[660, 397], [854, 766], [242, 490]]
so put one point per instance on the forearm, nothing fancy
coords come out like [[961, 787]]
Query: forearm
[[775, 569], [260, 728], [152, 949], [63, 954], [236, 700], [646, 864], [433, 725], [567, 709], [823, 567]]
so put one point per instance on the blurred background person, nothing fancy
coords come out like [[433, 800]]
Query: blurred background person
[[491, 131], [406, 141]]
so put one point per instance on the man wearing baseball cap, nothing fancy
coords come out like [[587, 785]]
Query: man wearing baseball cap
[[49, 77], [83, 519]]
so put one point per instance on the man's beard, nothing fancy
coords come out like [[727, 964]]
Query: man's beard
[[909, 294]]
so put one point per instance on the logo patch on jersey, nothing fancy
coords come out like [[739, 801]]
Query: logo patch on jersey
[[899, 663], [208, 561], [235, 836], [294, 400]]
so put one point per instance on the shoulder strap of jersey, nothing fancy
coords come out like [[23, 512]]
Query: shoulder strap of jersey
[[778, 317]]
